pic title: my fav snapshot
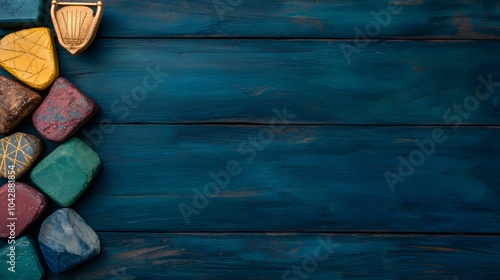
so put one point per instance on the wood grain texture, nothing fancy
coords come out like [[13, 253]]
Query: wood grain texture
[[269, 256], [308, 179], [241, 81], [223, 75], [299, 18]]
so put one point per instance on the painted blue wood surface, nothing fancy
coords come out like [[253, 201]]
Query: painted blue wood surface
[[324, 173], [229, 81], [269, 256], [307, 179], [430, 19]]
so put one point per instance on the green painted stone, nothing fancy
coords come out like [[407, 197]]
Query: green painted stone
[[67, 172], [27, 264]]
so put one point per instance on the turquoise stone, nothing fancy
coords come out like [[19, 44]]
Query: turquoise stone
[[20, 13], [67, 172], [27, 264], [66, 240]]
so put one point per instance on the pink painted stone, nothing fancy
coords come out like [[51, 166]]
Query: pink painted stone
[[63, 112], [29, 205]]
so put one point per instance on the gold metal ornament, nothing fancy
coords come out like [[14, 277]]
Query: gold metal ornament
[[76, 24]]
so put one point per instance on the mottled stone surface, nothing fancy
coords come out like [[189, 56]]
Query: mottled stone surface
[[16, 102], [19, 13], [67, 172], [30, 56], [66, 240], [28, 264], [29, 205], [63, 112], [18, 152]]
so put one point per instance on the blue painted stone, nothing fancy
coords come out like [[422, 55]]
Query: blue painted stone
[[27, 262], [66, 240], [20, 13]]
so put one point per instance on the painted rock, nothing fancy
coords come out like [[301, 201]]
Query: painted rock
[[27, 264], [66, 240], [16, 102], [29, 204], [63, 112], [67, 172], [30, 56], [17, 153], [18, 13]]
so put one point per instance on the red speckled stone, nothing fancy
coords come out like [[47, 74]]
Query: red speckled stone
[[63, 112], [29, 205]]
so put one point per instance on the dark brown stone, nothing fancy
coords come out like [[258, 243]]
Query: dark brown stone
[[16, 102]]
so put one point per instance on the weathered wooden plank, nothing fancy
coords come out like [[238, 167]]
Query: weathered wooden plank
[[232, 81], [301, 18], [308, 178], [272, 256]]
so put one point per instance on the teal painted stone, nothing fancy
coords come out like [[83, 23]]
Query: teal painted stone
[[67, 172], [20, 13], [27, 262], [66, 240]]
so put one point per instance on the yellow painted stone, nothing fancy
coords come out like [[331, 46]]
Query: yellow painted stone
[[30, 56]]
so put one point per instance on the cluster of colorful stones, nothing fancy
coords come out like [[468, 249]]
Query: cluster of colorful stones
[[65, 240]]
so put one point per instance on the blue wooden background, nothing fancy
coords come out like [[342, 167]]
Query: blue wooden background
[[226, 68]]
